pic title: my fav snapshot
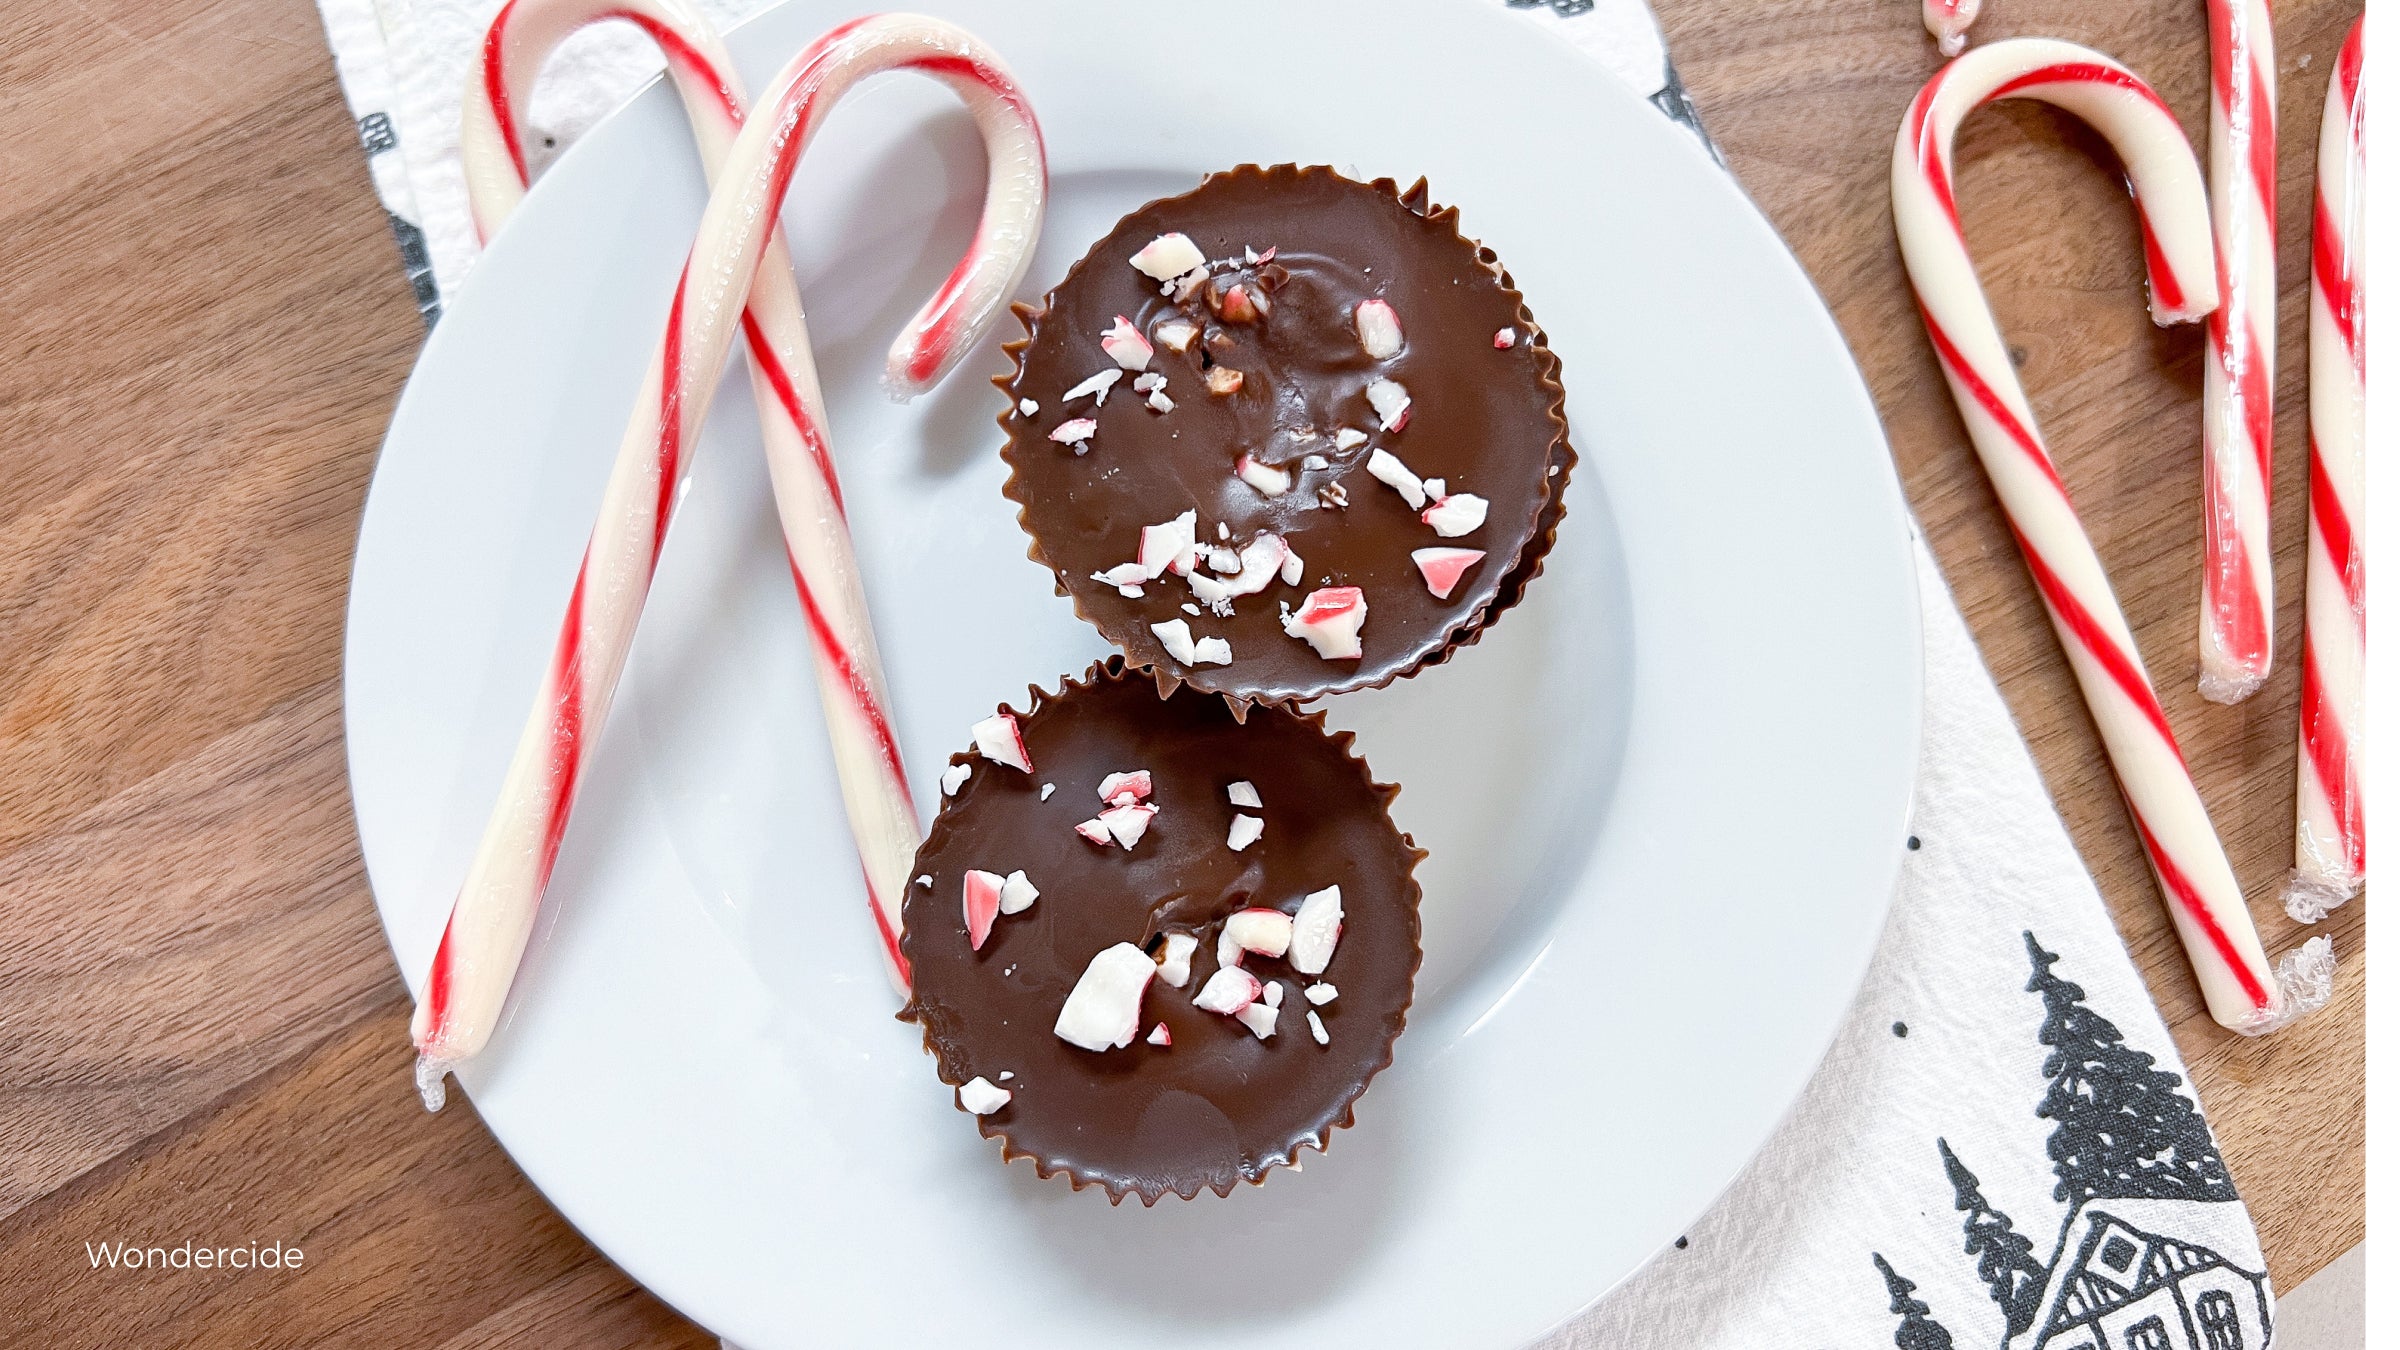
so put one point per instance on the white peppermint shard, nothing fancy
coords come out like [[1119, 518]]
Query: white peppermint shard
[[981, 1096], [1387, 468], [1316, 929], [1104, 1010], [1378, 329], [1168, 257]]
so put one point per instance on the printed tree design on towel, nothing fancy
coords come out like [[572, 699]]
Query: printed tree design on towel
[[2005, 1255], [2123, 1130], [1917, 1330], [2140, 1177]]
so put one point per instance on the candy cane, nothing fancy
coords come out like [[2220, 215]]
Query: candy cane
[[2203, 898], [492, 918], [2237, 428], [1948, 21], [807, 493], [2331, 852]]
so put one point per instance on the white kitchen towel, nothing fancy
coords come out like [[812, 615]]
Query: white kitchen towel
[[2000, 1149]]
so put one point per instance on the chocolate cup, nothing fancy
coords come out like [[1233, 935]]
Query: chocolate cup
[[1220, 1106], [1467, 425]]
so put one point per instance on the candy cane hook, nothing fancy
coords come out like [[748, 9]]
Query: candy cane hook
[[2202, 896], [2330, 853], [492, 919], [2237, 427]]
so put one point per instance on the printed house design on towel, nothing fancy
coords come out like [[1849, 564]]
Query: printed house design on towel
[[2136, 1166], [2125, 1288]]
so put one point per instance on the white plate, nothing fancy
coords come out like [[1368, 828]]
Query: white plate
[[1664, 799]]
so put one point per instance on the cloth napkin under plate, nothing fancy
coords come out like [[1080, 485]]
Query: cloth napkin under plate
[[2000, 1148]]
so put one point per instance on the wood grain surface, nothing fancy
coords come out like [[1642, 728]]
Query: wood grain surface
[[201, 1033]]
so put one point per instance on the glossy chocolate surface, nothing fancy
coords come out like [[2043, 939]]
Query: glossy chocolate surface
[[1219, 1106], [1485, 419]]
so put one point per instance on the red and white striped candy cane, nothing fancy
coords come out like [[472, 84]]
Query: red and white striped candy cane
[[2237, 429], [1948, 21], [807, 493], [492, 918], [2202, 896], [2330, 856]]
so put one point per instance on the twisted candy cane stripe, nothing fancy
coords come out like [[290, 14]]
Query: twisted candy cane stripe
[[2237, 438], [493, 915], [2202, 896], [2331, 851]]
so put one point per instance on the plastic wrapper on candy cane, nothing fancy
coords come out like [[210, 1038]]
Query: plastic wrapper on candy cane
[[2330, 852], [2203, 898], [2237, 437], [492, 918]]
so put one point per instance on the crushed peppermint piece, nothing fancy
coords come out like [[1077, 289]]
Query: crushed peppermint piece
[[1096, 388], [1273, 997], [1125, 344], [1176, 636], [1160, 1036], [1292, 567], [1224, 560], [1329, 620], [1505, 338], [1348, 438], [1222, 380], [1028, 406], [997, 739], [1168, 257], [1126, 823], [1457, 514], [1104, 1010], [1170, 545], [1387, 468], [1270, 480], [954, 776], [1184, 287], [1389, 398], [1316, 1028], [1228, 991], [1333, 497], [1189, 608], [1244, 793], [1442, 567], [1125, 577], [1224, 532], [1175, 958], [1320, 993], [1159, 402], [1212, 651], [1095, 832], [1437, 488], [1259, 1017], [1378, 329], [926, 881], [1006, 1074], [1238, 303], [1315, 462], [1265, 931], [1144, 383], [1017, 894], [1047, 789], [1075, 431], [1315, 930], [1245, 832], [980, 900], [1115, 785], [981, 1097], [1175, 334]]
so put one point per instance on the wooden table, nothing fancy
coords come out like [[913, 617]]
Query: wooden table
[[201, 1032]]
